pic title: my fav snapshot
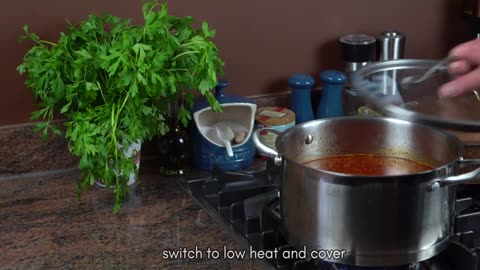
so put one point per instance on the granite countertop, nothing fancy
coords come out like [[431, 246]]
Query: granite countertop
[[44, 226]]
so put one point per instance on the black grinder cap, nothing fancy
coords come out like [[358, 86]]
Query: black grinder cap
[[358, 48]]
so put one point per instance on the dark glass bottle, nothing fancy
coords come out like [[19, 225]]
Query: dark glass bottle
[[174, 147]]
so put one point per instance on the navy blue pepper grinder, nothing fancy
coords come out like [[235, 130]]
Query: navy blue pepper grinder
[[301, 97], [333, 83]]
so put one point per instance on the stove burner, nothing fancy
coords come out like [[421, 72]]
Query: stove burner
[[247, 204]]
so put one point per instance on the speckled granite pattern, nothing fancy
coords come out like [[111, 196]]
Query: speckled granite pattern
[[23, 151], [43, 226]]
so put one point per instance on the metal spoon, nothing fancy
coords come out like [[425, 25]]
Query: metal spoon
[[429, 73]]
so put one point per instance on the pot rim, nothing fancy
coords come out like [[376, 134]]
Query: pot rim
[[449, 136], [425, 175]]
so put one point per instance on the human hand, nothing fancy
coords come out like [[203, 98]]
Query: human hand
[[465, 70]]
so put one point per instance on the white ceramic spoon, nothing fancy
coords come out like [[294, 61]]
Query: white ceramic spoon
[[225, 134]]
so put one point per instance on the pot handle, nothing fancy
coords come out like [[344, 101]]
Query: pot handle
[[265, 149], [437, 183]]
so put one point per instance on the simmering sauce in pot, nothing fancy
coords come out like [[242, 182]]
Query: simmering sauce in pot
[[368, 165]]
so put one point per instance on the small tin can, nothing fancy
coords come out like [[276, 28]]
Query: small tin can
[[278, 118]]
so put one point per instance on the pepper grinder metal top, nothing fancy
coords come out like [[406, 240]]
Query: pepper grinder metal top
[[391, 45]]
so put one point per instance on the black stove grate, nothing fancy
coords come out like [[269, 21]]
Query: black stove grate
[[247, 203]]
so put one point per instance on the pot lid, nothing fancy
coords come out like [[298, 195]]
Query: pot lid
[[386, 90], [202, 103]]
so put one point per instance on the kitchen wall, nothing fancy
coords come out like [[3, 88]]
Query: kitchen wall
[[262, 42]]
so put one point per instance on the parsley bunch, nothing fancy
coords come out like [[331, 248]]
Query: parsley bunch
[[112, 81]]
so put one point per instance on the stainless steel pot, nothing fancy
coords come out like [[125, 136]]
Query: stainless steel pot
[[375, 221]]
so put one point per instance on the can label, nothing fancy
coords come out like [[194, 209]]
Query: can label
[[269, 138]]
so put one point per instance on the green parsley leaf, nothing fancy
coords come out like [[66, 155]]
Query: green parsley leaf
[[111, 80]]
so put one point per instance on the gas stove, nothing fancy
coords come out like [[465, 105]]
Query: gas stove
[[247, 205]]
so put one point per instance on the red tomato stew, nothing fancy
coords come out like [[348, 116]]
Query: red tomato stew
[[368, 165]]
